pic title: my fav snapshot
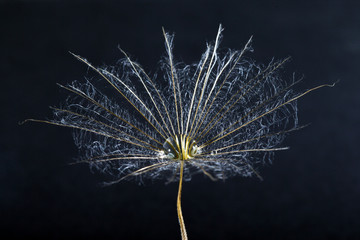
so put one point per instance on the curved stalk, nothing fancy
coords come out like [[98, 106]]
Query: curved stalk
[[178, 205]]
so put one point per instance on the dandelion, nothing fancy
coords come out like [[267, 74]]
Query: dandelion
[[222, 117]]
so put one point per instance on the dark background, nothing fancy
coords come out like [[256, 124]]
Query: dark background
[[311, 191]]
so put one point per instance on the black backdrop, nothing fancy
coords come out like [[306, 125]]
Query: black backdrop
[[311, 191]]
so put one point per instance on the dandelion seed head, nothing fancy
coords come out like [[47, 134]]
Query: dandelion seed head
[[223, 116]]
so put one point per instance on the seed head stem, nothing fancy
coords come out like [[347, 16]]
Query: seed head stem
[[179, 212]]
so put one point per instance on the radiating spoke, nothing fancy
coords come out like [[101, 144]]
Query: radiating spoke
[[100, 72], [140, 171], [204, 171], [83, 95], [150, 96], [202, 134], [217, 138], [225, 79], [175, 84], [209, 69], [105, 125], [91, 131], [245, 150]]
